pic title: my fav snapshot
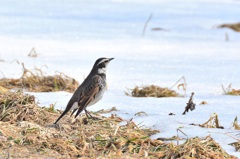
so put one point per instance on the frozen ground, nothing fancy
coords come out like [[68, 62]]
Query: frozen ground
[[70, 35]]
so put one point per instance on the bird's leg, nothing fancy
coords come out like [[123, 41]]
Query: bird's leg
[[58, 126], [88, 114]]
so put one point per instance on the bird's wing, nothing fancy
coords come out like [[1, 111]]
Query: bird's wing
[[89, 93], [83, 95], [75, 98]]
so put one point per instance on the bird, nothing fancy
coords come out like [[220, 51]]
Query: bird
[[90, 91]]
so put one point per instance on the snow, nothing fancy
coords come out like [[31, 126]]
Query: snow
[[70, 35]]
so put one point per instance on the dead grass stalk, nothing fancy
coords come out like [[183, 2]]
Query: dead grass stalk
[[230, 91], [212, 122]]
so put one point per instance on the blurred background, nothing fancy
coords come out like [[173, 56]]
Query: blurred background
[[151, 41]]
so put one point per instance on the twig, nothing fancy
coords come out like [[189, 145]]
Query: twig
[[190, 105], [140, 113], [146, 23], [235, 124], [228, 89], [33, 53], [213, 119], [103, 111], [15, 61], [183, 85], [227, 135], [179, 81], [178, 129]]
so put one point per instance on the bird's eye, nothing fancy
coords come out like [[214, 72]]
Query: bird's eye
[[102, 65]]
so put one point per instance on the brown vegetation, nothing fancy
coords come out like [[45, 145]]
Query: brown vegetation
[[153, 91], [236, 145], [37, 82], [157, 91], [235, 124], [230, 91], [27, 131], [212, 122]]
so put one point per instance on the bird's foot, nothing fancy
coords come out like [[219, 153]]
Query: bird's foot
[[58, 126], [89, 116], [95, 118]]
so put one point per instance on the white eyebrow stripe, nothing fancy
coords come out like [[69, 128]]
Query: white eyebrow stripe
[[103, 60]]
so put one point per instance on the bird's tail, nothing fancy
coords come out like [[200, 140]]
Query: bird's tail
[[73, 111], [64, 112]]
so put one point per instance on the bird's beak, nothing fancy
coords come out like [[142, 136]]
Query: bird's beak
[[110, 59]]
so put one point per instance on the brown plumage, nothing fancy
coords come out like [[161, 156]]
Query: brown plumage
[[90, 91]]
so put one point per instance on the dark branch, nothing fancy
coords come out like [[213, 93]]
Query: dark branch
[[190, 105]]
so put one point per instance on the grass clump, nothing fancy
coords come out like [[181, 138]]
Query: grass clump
[[157, 91], [12, 101], [38, 82], [197, 148], [152, 91]]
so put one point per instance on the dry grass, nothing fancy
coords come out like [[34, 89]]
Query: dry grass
[[152, 91], [236, 145], [157, 91], [229, 91], [37, 82], [10, 102], [2, 89], [212, 122], [26, 131], [234, 92], [235, 124], [198, 148]]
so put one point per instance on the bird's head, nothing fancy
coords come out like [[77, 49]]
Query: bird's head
[[101, 65]]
